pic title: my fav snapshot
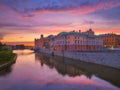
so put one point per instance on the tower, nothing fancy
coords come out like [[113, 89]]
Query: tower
[[42, 36]]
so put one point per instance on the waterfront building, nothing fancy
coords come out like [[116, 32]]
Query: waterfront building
[[71, 41], [78, 41], [49, 42], [40, 43], [111, 40], [44, 42]]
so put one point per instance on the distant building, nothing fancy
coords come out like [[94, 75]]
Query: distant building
[[49, 42], [71, 41], [40, 42], [111, 40], [78, 41], [21, 46], [44, 42]]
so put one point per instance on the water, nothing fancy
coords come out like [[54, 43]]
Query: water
[[43, 72]]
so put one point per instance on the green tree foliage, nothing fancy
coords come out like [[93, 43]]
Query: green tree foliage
[[3, 47], [6, 53]]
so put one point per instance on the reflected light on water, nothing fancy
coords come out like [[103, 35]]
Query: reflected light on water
[[38, 72]]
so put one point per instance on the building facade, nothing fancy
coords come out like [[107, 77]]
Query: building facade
[[111, 40], [40, 43], [44, 42], [78, 41], [71, 41]]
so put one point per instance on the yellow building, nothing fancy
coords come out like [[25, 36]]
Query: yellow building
[[111, 40]]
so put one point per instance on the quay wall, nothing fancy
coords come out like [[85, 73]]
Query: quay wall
[[106, 58]]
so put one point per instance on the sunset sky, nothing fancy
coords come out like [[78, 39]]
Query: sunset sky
[[24, 20]]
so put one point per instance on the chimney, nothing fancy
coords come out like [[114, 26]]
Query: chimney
[[42, 36], [79, 31]]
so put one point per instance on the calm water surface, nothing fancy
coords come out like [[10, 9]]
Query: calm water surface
[[43, 72]]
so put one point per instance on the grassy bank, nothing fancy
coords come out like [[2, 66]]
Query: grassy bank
[[6, 54]]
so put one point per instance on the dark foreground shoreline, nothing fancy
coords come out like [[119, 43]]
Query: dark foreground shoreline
[[3, 66]]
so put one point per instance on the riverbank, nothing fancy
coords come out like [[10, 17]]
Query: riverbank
[[11, 61], [105, 58]]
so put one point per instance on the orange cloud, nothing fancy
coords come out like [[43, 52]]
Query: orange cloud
[[103, 31], [18, 43]]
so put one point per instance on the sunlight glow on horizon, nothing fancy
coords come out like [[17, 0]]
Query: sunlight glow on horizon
[[21, 22], [28, 40]]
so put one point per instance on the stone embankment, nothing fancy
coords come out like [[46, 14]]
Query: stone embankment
[[106, 58]]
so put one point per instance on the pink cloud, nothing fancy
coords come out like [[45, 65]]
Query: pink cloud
[[85, 9], [95, 7]]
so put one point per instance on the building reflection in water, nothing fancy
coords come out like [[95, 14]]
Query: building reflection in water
[[72, 68]]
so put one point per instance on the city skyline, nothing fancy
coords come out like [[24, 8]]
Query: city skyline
[[25, 20]]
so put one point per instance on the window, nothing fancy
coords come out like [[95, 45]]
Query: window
[[75, 41]]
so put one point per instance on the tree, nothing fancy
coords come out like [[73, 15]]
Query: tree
[[1, 45]]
